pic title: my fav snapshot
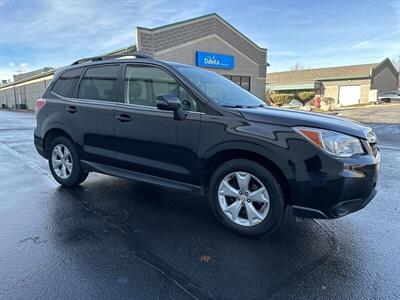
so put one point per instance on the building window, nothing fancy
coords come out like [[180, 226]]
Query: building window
[[243, 81]]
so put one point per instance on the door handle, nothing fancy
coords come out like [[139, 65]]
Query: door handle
[[72, 109], [124, 118]]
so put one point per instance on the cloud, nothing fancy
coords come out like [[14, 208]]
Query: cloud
[[55, 33], [92, 26], [361, 45], [7, 71]]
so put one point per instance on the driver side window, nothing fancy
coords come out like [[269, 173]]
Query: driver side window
[[144, 83]]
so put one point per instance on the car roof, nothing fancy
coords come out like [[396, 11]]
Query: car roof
[[121, 60]]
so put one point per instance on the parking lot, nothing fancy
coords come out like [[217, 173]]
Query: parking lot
[[116, 239]]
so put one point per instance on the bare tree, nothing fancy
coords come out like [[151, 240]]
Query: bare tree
[[297, 66], [396, 62]]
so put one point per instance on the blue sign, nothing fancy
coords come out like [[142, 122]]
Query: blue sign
[[214, 60]]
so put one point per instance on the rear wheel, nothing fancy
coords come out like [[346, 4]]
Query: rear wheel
[[64, 162], [246, 197]]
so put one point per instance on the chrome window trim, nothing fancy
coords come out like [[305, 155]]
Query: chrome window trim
[[147, 64], [153, 108], [92, 101]]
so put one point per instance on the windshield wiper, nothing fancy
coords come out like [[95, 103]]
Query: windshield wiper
[[242, 106], [253, 106], [233, 106]]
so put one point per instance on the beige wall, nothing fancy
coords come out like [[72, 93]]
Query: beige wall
[[365, 93], [244, 66], [26, 92], [331, 88], [332, 92]]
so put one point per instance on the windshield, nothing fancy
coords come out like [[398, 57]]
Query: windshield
[[221, 90]]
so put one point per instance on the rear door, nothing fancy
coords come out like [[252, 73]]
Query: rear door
[[149, 140], [90, 114]]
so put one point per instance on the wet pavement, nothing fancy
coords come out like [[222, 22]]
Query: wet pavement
[[116, 239], [389, 113]]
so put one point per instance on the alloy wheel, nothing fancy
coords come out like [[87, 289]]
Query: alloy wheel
[[61, 160], [243, 198]]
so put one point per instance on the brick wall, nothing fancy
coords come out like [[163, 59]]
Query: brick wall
[[243, 65], [154, 41]]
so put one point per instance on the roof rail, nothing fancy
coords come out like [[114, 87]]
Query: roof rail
[[112, 56]]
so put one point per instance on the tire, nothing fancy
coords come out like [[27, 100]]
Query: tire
[[221, 197], [62, 152]]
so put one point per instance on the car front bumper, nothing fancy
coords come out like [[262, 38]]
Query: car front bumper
[[340, 209], [337, 188]]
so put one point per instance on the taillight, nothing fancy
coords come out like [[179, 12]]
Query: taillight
[[40, 103]]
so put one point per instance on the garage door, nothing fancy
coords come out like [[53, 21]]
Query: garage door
[[349, 95]]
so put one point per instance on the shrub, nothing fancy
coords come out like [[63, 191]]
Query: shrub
[[305, 96], [280, 99]]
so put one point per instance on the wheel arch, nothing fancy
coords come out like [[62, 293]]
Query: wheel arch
[[50, 135], [217, 158]]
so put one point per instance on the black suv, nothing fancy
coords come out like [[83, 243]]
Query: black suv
[[186, 128]]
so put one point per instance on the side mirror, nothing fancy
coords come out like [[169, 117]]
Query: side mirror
[[171, 103]]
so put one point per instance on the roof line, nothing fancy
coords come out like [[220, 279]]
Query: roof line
[[372, 65], [44, 74], [342, 77], [203, 17], [121, 49], [390, 64]]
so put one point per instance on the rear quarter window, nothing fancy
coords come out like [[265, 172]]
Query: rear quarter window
[[65, 84]]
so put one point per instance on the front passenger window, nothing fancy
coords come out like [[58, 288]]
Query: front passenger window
[[144, 83]]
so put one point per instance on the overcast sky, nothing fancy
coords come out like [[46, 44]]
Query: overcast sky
[[35, 34]]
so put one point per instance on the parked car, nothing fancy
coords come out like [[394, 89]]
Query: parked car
[[186, 128], [388, 97]]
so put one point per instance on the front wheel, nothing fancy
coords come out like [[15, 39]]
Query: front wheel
[[246, 197], [64, 162]]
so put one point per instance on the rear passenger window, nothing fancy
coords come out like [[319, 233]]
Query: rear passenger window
[[65, 85], [99, 83]]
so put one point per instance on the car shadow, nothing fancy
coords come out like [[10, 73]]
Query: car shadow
[[177, 234]]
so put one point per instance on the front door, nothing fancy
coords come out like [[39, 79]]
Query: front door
[[149, 140]]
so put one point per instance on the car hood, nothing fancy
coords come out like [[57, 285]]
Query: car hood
[[289, 117]]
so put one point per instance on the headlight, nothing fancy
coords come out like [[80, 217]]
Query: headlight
[[335, 143]]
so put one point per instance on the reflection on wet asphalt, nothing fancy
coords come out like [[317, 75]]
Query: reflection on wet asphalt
[[116, 239]]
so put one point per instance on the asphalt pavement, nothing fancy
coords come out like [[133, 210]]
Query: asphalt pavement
[[116, 239]]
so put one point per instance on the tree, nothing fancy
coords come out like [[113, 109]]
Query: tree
[[396, 62], [297, 66]]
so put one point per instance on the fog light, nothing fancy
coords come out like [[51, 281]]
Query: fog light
[[343, 208]]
